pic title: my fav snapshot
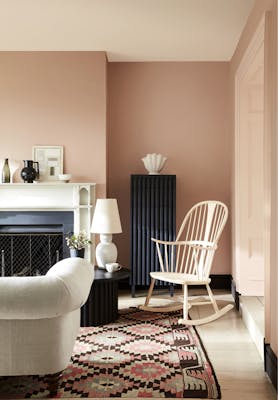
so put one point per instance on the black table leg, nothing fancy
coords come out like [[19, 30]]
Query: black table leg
[[102, 304]]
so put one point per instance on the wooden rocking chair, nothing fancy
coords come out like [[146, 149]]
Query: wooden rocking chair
[[188, 262]]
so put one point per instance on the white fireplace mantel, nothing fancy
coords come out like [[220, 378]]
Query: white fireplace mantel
[[53, 196]]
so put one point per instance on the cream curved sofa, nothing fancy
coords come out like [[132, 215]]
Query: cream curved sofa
[[40, 318]]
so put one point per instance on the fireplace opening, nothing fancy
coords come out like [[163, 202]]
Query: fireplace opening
[[32, 242], [30, 254]]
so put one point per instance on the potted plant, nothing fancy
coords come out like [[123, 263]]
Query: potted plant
[[77, 242]]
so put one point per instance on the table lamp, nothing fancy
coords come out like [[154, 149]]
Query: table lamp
[[106, 221]]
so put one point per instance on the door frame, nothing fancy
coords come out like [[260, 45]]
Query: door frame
[[256, 42]]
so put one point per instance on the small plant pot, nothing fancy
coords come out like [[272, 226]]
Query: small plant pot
[[77, 253]]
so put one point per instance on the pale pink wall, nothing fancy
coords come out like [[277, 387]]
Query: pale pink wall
[[56, 98], [262, 7], [179, 110]]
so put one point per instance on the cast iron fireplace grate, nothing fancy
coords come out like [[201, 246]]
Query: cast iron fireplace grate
[[29, 254]]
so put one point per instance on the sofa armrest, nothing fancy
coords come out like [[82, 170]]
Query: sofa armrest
[[77, 275], [63, 289]]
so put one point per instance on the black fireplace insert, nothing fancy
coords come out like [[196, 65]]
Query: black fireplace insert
[[32, 241]]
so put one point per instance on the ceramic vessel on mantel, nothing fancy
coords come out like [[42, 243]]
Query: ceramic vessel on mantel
[[14, 165], [154, 163], [29, 173], [6, 174]]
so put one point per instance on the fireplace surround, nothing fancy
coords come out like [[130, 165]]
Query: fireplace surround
[[34, 219]]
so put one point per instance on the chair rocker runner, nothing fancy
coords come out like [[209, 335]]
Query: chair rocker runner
[[187, 260]]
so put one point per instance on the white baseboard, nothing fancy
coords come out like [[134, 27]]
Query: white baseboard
[[252, 311]]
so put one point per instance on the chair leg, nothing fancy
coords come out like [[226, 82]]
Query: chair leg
[[217, 313], [167, 308], [212, 299], [185, 301], [150, 292]]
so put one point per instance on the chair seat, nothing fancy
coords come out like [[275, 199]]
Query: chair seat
[[179, 278]]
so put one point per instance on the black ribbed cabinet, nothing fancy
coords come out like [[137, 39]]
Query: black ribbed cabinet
[[153, 214]]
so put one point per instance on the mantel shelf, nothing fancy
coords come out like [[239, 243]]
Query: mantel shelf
[[41, 184], [51, 196]]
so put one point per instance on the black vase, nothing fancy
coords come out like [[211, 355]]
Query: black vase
[[28, 173], [77, 253]]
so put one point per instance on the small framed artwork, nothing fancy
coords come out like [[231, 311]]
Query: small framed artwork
[[50, 159]]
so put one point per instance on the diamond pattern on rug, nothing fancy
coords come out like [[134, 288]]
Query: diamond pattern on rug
[[143, 354]]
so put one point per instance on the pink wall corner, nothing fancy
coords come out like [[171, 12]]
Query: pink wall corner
[[181, 111], [56, 98]]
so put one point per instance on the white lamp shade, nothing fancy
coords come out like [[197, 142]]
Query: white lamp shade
[[106, 217]]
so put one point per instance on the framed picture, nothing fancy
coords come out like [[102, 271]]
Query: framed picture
[[50, 159]]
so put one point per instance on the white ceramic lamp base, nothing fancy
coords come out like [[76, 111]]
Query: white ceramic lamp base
[[106, 251]]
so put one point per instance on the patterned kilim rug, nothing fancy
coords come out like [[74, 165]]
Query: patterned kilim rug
[[143, 354]]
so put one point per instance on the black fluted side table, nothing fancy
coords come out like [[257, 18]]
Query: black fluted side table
[[102, 304]]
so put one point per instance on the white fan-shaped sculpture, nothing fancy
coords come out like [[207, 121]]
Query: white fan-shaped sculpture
[[154, 163]]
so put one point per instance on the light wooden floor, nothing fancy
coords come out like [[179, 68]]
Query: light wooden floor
[[235, 358]]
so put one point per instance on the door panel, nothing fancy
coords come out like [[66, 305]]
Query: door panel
[[250, 238]]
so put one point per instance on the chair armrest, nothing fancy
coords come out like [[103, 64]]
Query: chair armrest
[[202, 244], [191, 243], [173, 243]]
